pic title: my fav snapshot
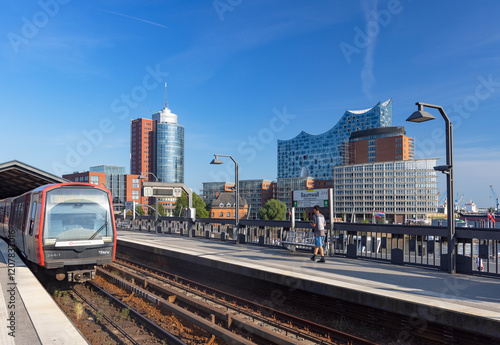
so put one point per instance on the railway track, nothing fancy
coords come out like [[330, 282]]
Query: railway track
[[114, 322], [221, 311], [375, 324]]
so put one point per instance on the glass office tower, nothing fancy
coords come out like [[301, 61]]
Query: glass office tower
[[169, 147], [316, 155]]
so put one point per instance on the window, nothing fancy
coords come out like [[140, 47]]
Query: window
[[229, 214], [135, 183], [221, 214]]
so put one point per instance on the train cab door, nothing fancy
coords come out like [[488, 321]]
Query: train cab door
[[30, 237]]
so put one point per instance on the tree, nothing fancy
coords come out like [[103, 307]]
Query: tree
[[161, 209], [198, 204], [140, 210], [273, 210]]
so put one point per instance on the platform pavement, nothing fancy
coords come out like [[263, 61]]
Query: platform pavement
[[462, 301], [38, 319]]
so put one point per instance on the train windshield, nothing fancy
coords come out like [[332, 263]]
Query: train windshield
[[77, 216]]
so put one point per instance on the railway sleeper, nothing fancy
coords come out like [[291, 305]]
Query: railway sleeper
[[247, 329], [206, 325]]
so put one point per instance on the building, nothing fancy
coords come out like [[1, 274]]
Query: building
[[318, 154], [223, 206], [123, 187], [157, 151], [288, 184], [115, 181], [379, 145], [108, 169], [258, 192], [168, 161], [157, 147], [141, 147], [403, 190], [212, 189], [255, 192], [97, 178]]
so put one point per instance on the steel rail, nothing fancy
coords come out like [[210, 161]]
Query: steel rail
[[227, 318], [107, 318], [208, 326], [305, 324], [170, 338]]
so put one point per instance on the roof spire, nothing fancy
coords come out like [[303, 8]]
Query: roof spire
[[165, 103]]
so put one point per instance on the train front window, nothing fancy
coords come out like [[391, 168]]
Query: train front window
[[77, 214]]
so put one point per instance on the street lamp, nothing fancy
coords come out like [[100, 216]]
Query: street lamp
[[216, 160], [143, 177], [420, 116]]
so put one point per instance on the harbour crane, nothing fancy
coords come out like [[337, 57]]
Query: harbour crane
[[494, 196], [457, 202], [443, 199]]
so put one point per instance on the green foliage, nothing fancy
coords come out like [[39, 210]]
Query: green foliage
[[161, 209], [98, 317], [140, 211], [124, 315], [304, 216], [273, 210], [198, 204]]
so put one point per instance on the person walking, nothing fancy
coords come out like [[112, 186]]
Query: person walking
[[318, 224]]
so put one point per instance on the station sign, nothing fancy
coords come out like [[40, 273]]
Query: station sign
[[310, 198], [162, 192]]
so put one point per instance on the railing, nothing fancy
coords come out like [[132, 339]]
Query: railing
[[398, 244]]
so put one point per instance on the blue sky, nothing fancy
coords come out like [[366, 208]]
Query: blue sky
[[242, 74]]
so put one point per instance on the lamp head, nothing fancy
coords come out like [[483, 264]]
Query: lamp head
[[445, 169], [420, 115], [216, 160]]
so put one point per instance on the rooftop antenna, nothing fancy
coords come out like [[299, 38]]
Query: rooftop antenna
[[165, 103]]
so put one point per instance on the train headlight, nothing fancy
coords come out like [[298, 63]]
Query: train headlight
[[49, 241], [107, 239]]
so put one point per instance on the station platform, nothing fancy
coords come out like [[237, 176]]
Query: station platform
[[27, 312], [465, 302]]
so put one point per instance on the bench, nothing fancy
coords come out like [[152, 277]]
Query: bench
[[296, 239]]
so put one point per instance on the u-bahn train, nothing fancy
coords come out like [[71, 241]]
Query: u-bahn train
[[66, 229]]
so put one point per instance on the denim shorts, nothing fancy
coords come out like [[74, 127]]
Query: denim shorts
[[318, 241]]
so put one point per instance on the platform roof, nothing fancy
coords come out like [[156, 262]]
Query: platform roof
[[17, 178]]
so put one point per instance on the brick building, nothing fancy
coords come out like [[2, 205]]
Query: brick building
[[378, 145], [223, 206]]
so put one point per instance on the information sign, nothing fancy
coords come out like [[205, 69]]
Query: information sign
[[310, 198]]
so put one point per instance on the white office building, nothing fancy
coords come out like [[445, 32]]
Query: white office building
[[401, 190]]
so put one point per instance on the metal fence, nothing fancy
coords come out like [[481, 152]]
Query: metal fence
[[477, 251]]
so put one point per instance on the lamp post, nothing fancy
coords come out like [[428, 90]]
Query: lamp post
[[421, 116], [143, 177], [216, 160]]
